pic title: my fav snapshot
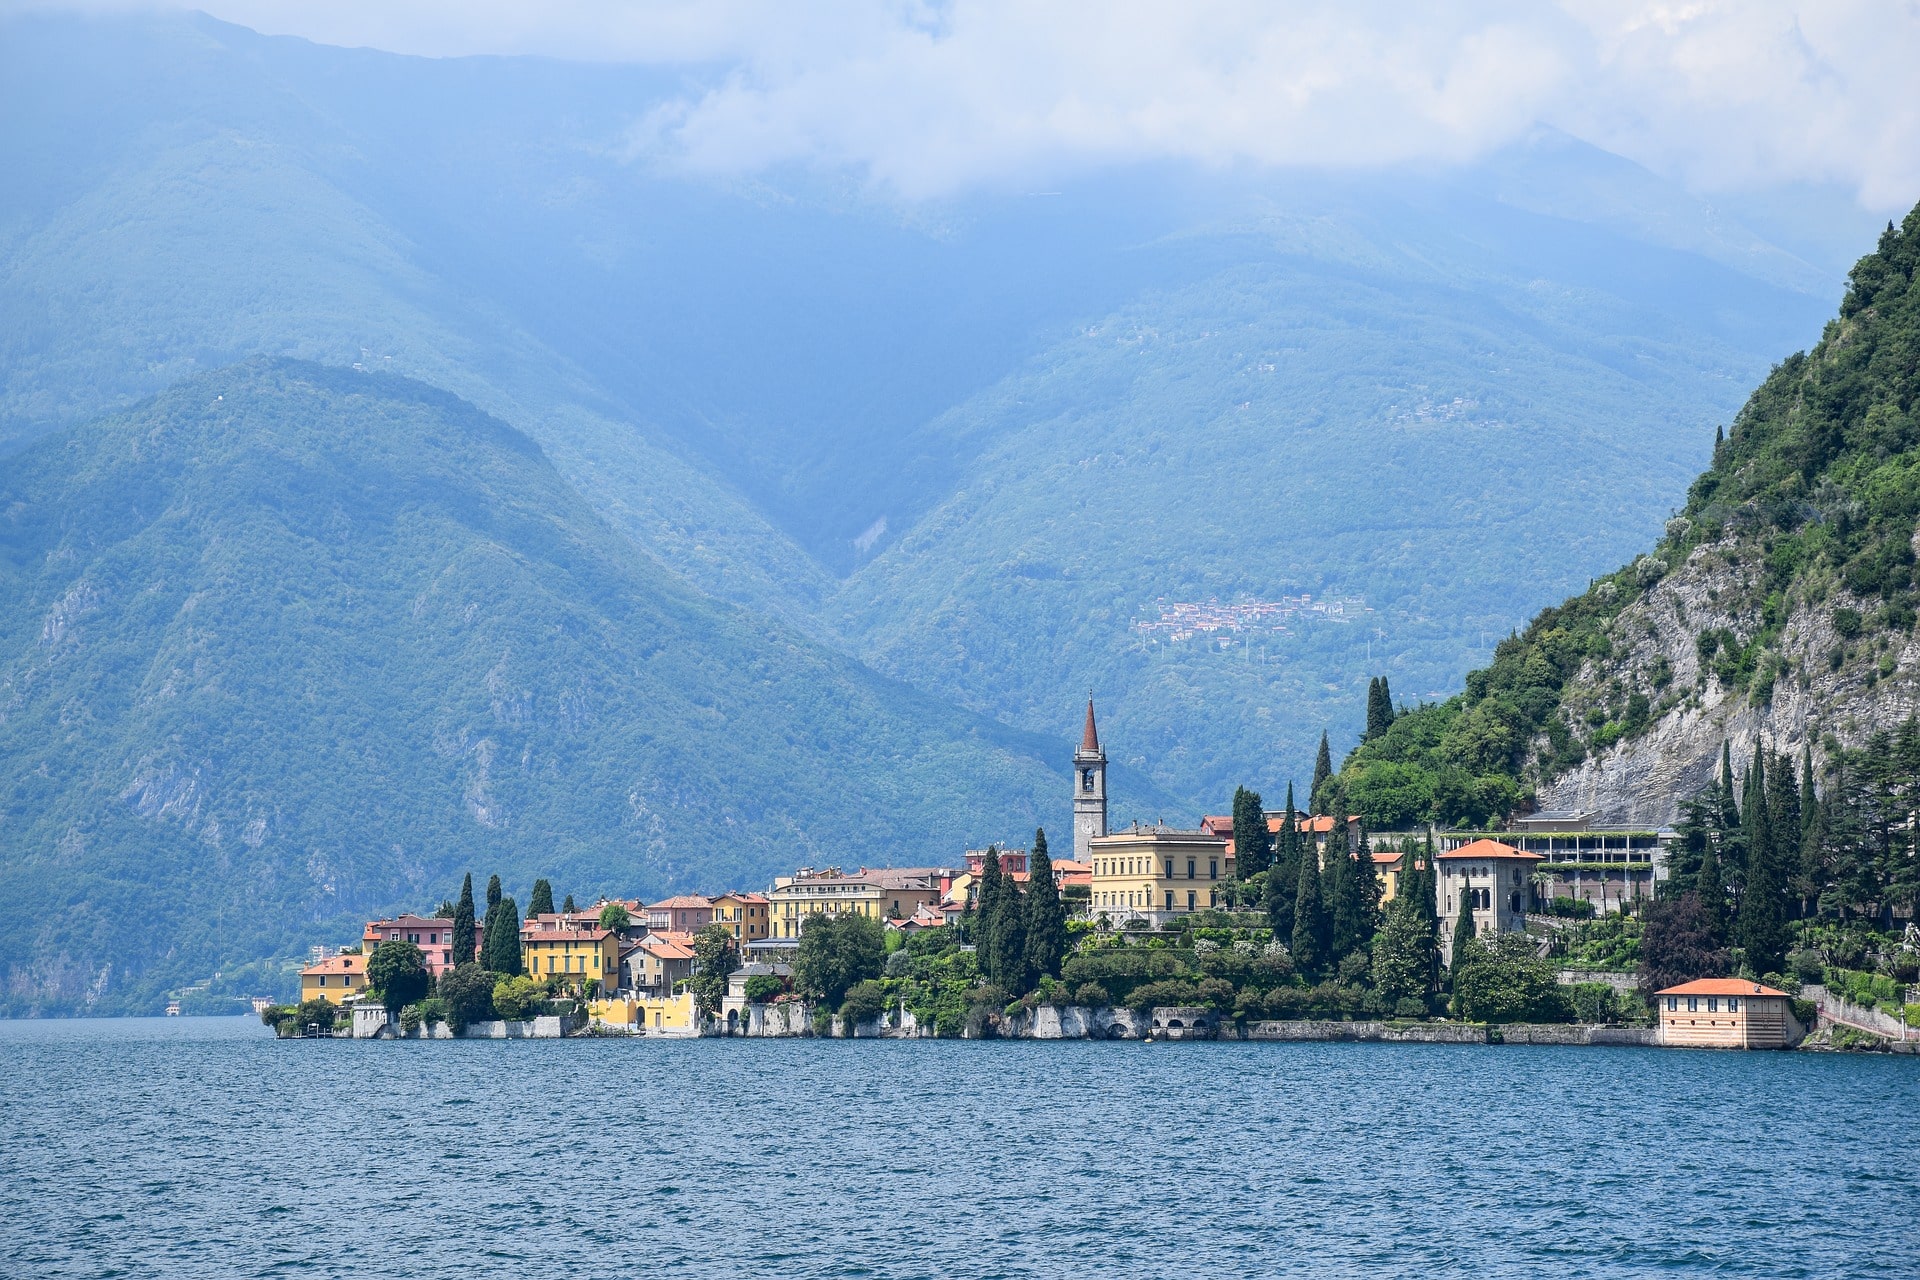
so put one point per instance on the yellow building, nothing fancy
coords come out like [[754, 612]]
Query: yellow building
[[1723, 1013], [671, 1015], [334, 978], [1157, 872], [573, 945], [748, 916], [884, 895]]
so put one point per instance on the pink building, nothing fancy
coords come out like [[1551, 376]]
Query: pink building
[[688, 913], [433, 937]]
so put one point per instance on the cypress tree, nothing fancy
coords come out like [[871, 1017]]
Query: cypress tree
[[493, 893], [541, 902], [502, 946], [1283, 877], [1713, 896], [987, 892], [1761, 926], [1337, 891], [1009, 933], [566, 906], [1046, 942], [1379, 707], [463, 923], [1367, 887], [1463, 929], [1252, 847], [1310, 924], [1429, 888], [1322, 770]]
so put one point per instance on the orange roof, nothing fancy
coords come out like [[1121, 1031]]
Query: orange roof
[[665, 948], [337, 964], [685, 901], [1388, 857], [1090, 737], [1491, 849], [740, 896], [1720, 987]]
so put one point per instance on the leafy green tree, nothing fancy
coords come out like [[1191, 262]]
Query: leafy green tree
[[1252, 846], [615, 916], [1046, 940], [516, 997], [493, 893], [836, 952], [1312, 929], [1322, 771], [715, 957], [467, 990], [541, 901], [463, 943], [1402, 954], [1507, 982], [398, 971]]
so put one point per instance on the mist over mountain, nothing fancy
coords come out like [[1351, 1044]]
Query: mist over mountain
[[983, 445]]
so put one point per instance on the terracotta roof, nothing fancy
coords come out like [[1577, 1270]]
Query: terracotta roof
[[1090, 739], [739, 896], [410, 921], [683, 901], [337, 964], [1490, 849], [665, 948], [1720, 987], [1215, 824], [1387, 857], [1069, 866]]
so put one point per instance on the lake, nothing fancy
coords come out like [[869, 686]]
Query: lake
[[203, 1147]]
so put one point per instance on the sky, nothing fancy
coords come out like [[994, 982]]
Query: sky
[[923, 100]]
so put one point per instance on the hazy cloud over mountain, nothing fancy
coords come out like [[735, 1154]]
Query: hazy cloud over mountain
[[923, 99]]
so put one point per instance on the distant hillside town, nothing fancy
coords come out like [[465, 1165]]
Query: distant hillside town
[[1263, 923]]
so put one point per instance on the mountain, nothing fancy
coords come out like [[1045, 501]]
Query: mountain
[[288, 646], [1777, 609], [970, 442]]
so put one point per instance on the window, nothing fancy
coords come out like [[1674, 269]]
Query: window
[[1713, 1004], [1190, 898], [1169, 899], [1169, 868], [1190, 871], [1213, 868], [1693, 1004], [1733, 1004], [1673, 1002]]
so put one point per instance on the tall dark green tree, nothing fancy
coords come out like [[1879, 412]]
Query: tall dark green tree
[[463, 923], [986, 895], [1712, 892], [500, 950], [1008, 950], [493, 892], [1762, 925], [540, 902], [1046, 942], [1252, 846], [1322, 770], [1312, 929], [1379, 707], [1427, 890], [567, 906], [1283, 877], [1463, 930], [1337, 890]]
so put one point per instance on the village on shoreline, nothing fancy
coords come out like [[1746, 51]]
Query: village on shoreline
[[1266, 924]]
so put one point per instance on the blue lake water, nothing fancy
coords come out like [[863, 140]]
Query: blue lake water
[[203, 1147]]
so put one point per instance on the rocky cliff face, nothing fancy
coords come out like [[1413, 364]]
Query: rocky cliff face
[[1818, 686]]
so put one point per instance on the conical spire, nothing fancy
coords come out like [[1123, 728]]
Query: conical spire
[[1090, 740]]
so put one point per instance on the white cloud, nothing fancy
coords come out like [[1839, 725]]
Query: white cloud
[[923, 99]]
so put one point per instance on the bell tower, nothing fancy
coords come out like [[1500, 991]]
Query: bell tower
[[1089, 790]]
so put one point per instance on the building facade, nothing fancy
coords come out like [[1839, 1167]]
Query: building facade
[[883, 895], [1089, 790], [1724, 1013], [335, 978], [686, 913], [1156, 873], [434, 938], [570, 945], [1605, 865], [1491, 880], [746, 915]]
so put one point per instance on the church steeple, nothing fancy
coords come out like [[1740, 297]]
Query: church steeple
[[1089, 789]]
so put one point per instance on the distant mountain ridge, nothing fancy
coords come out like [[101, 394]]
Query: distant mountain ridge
[[290, 645]]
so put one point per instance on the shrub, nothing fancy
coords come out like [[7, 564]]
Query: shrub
[[516, 998], [1594, 1002], [762, 987], [1092, 995], [1806, 964], [1149, 995], [1571, 908], [1407, 1007], [866, 1000], [1846, 622], [318, 1011], [410, 1019], [466, 991]]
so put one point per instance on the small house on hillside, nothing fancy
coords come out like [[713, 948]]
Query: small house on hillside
[[1725, 1013]]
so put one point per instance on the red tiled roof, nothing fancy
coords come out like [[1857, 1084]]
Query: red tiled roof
[[1720, 987], [685, 901], [1490, 849], [665, 948], [337, 964], [1090, 739], [1387, 857]]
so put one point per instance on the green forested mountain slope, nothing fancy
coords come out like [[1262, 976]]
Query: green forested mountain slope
[[1777, 609], [969, 443], [290, 646]]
